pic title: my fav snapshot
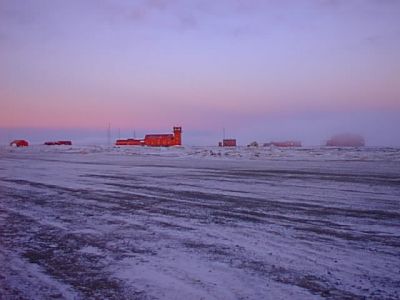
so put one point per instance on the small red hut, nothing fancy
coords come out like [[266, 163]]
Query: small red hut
[[227, 143], [19, 143]]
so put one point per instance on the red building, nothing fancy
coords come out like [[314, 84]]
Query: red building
[[69, 143], [155, 140], [129, 142], [19, 143], [227, 143]]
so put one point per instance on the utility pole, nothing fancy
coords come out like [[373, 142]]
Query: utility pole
[[109, 135], [223, 133]]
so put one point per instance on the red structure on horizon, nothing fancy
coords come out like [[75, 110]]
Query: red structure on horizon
[[227, 143], [155, 140], [19, 143], [129, 142], [69, 143]]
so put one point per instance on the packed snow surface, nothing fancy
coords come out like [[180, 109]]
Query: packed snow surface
[[199, 223]]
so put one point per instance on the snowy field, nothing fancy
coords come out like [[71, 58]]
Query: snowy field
[[199, 223]]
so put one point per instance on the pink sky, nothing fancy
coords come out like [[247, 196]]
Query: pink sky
[[205, 65]]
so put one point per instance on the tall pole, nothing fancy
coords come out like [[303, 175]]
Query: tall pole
[[223, 133], [109, 135]]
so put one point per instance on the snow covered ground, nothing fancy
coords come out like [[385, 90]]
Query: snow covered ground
[[199, 223]]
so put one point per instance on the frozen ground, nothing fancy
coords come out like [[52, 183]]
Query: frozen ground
[[199, 223]]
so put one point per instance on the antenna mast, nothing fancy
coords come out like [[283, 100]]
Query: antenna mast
[[109, 135]]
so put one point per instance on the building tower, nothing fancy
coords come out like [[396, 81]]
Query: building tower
[[177, 135]]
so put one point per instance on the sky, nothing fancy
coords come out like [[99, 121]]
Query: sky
[[263, 70]]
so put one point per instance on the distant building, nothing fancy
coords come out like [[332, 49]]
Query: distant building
[[129, 142], [227, 143], [57, 143], [346, 140], [284, 144], [253, 144], [19, 143], [155, 140]]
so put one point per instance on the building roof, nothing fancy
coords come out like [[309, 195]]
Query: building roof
[[158, 136]]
